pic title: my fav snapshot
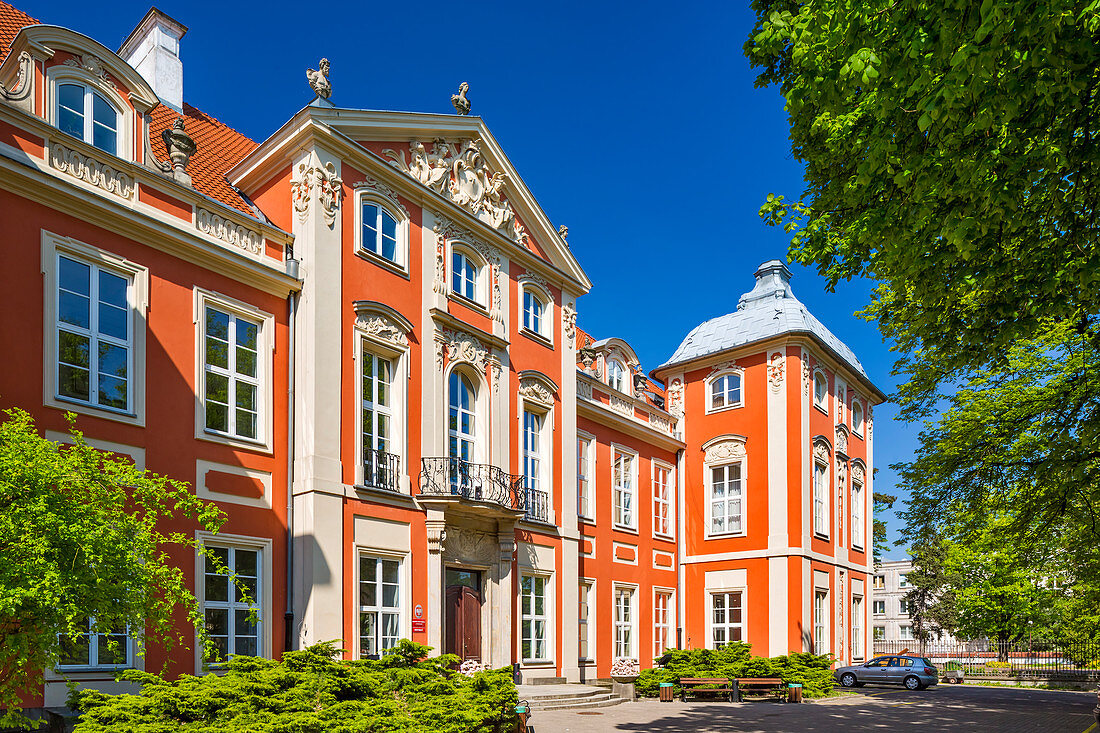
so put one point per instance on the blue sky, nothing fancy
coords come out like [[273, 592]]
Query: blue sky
[[637, 125]]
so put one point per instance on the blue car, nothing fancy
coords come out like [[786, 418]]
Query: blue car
[[914, 673]]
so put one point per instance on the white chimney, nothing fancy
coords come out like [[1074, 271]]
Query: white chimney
[[153, 49]]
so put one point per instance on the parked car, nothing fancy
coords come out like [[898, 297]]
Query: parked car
[[914, 673]]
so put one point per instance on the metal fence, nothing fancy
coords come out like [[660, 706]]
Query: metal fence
[[1028, 658]]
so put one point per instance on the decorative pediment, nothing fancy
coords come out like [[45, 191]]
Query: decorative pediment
[[458, 172], [461, 347], [724, 448], [375, 186], [822, 450], [382, 323], [536, 390], [857, 471], [726, 366]]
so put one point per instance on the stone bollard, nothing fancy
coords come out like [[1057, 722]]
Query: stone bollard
[[624, 690]]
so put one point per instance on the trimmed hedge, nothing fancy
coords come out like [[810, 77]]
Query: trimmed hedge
[[813, 672], [311, 691]]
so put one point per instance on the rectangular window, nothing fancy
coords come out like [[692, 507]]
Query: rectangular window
[[95, 649], [904, 608], [379, 605], [623, 489], [381, 464], [878, 607], [821, 607], [903, 581], [725, 499], [857, 627], [662, 629], [662, 503], [857, 513], [821, 498], [538, 504], [878, 633], [230, 623], [585, 613], [726, 621], [584, 452], [624, 623], [905, 633], [533, 617], [94, 334], [879, 582], [232, 374]]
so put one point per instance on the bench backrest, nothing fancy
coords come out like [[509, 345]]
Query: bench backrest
[[705, 680], [759, 680]]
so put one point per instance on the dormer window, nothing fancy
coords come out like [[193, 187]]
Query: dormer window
[[85, 113], [466, 276], [616, 375]]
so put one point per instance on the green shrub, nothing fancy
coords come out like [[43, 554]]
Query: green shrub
[[998, 665], [310, 691], [952, 666], [813, 672]]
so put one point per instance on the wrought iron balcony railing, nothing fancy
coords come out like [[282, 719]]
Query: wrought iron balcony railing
[[537, 505], [472, 481], [381, 470]]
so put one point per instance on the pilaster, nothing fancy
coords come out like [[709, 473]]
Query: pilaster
[[435, 527]]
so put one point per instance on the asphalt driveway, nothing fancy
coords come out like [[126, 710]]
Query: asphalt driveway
[[943, 707]]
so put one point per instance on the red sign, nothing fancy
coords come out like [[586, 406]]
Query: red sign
[[419, 625]]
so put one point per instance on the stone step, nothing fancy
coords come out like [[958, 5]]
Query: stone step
[[602, 701]]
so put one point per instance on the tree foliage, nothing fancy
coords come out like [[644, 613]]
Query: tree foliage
[[883, 502], [81, 536], [310, 691]]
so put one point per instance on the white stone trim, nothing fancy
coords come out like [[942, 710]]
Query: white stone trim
[[377, 193], [61, 73], [134, 453], [398, 355], [264, 477], [720, 371]]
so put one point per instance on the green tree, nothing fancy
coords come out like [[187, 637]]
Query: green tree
[[883, 502], [81, 537], [951, 153]]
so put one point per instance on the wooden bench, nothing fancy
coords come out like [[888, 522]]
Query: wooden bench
[[700, 686], [759, 685]]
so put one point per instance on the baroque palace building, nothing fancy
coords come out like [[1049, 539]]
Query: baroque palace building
[[359, 338]]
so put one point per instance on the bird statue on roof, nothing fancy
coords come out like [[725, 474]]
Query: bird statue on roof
[[318, 80], [462, 105]]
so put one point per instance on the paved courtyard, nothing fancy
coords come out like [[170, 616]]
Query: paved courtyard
[[941, 708]]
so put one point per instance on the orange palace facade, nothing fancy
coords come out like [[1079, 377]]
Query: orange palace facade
[[359, 338]]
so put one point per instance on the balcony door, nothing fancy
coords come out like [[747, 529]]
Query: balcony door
[[461, 430], [463, 614], [379, 461]]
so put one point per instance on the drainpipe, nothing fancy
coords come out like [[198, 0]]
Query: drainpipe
[[292, 311], [680, 549]]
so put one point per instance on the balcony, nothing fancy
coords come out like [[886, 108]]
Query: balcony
[[381, 470], [536, 506], [454, 478]]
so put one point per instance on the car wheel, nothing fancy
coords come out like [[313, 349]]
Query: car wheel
[[848, 679], [912, 683]]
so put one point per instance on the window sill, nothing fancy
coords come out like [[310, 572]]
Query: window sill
[[624, 528], [382, 262], [820, 536], [586, 520], [374, 491], [662, 537], [857, 435], [820, 408], [467, 303], [726, 408], [538, 663], [87, 408], [238, 443], [723, 535], [538, 338]]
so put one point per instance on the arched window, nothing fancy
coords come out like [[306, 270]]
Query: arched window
[[381, 232], [616, 375], [533, 312], [461, 418], [821, 390], [466, 276], [85, 113], [857, 418], [725, 391]]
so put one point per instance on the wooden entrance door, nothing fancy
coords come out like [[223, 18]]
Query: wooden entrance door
[[463, 622]]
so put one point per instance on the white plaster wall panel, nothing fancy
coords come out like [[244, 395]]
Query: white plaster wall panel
[[733, 578], [382, 534]]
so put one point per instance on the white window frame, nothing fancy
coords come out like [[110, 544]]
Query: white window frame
[[481, 275], [664, 624], [876, 604], [540, 456], [820, 610], [903, 580], [857, 501], [477, 408], [55, 246], [625, 373], [878, 581], [821, 401], [59, 74], [725, 467], [903, 607], [629, 625], [905, 632], [399, 610], [265, 369], [619, 491], [545, 330], [589, 623], [712, 383], [401, 247], [857, 627], [727, 626], [234, 377], [878, 633], [263, 546], [397, 351], [821, 495], [662, 498], [857, 429], [586, 508], [547, 617], [93, 653]]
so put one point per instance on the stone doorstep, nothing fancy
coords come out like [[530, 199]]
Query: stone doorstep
[[544, 681], [585, 705], [565, 697]]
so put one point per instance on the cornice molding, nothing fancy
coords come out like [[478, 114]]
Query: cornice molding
[[604, 415]]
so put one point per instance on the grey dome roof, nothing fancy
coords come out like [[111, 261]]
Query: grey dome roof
[[768, 310]]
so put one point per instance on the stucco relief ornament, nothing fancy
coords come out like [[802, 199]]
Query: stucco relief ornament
[[725, 450], [535, 390], [461, 103], [382, 329], [840, 397], [93, 66], [459, 346], [86, 168], [805, 374], [821, 451], [313, 179], [569, 322], [318, 80], [675, 394], [841, 440], [775, 371], [431, 170], [21, 89], [857, 472]]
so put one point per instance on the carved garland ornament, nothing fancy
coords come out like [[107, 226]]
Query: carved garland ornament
[[370, 184], [461, 347], [775, 371], [88, 169], [675, 394], [93, 66], [534, 390], [313, 177], [237, 235], [725, 450], [464, 178], [805, 374], [569, 322], [382, 328]]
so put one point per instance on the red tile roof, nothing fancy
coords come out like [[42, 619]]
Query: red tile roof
[[219, 146]]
